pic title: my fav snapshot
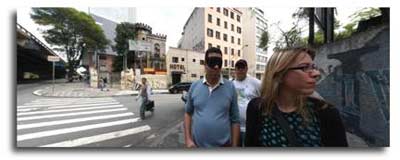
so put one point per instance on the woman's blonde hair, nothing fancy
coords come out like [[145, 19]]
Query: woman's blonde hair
[[276, 69]]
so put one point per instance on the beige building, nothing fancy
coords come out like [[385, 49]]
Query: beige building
[[215, 27], [152, 62], [253, 26], [184, 65]]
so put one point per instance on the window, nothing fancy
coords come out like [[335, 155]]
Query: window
[[225, 37], [175, 59], [209, 18], [194, 75], [210, 32], [232, 27], [218, 22], [218, 46], [209, 45], [201, 62], [232, 51], [225, 50], [226, 63], [226, 12], [218, 9], [239, 30], [238, 18], [183, 59], [238, 41], [201, 77], [194, 60], [232, 39], [232, 15], [239, 53], [226, 25], [232, 63], [217, 35]]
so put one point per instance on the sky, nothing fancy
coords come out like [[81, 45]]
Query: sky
[[170, 20]]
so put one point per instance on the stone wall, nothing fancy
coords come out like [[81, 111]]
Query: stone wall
[[356, 78]]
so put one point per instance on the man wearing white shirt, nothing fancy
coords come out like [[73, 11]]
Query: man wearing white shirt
[[247, 88]]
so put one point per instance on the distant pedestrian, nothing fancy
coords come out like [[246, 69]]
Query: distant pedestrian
[[247, 88], [285, 114], [101, 83], [105, 84], [211, 110], [144, 95]]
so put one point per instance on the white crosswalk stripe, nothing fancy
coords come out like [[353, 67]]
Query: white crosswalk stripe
[[98, 138], [92, 117], [46, 104], [52, 123], [64, 106], [68, 110]]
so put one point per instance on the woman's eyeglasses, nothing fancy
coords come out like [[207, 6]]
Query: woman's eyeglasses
[[306, 68]]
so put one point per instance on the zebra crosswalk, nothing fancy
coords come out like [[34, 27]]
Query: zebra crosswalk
[[74, 122]]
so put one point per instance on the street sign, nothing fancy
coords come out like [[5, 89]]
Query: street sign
[[53, 58], [138, 45]]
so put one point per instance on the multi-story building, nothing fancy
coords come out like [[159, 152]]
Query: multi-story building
[[215, 27], [116, 14], [184, 65], [254, 25], [100, 64]]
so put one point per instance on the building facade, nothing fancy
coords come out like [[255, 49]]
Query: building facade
[[116, 14], [100, 64], [254, 25], [215, 27], [184, 65], [152, 62]]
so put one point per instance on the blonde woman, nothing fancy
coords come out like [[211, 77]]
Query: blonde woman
[[285, 115]]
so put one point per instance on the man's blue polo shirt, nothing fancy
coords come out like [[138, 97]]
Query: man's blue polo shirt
[[212, 113]]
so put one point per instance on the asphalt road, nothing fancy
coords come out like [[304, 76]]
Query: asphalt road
[[92, 122]]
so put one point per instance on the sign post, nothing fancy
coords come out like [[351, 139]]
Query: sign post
[[53, 59]]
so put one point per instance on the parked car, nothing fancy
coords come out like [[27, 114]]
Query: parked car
[[179, 87]]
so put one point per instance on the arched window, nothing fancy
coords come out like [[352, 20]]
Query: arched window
[[157, 50]]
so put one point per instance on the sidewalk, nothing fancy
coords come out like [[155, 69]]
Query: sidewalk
[[82, 90], [175, 138]]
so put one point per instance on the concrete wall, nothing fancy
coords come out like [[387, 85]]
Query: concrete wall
[[356, 78]]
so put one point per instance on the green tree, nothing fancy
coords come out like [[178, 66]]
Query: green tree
[[264, 40], [124, 32], [360, 15], [70, 31], [291, 37]]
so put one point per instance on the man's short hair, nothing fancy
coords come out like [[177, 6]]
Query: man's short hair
[[241, 64], [212, 50]]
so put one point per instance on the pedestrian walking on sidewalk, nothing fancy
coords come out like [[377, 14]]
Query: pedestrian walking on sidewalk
[[247, 88], [211, 111], [285, 114]]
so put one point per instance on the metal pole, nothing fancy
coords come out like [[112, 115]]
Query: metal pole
[[53, 76]]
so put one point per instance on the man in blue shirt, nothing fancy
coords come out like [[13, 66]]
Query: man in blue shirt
[[211, 111]]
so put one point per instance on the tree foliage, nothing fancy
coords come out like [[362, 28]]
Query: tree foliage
[[363, 14], [264, 40], [124, 32], [70, 31]]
